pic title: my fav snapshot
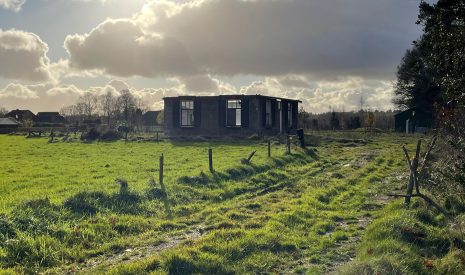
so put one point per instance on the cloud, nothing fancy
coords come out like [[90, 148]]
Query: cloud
[[14, 5], [38, 97], [23, 56], [18, 91], [122, 48], [322, 96], [261, 37], [52, 96]]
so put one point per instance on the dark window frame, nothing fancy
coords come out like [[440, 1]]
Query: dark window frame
[[187, 107], [236, 105], [268, 113], [290, 110]]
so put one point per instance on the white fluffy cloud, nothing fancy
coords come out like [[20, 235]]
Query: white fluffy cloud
[[23, 56], [18, 91], [322, 96], [261, 37]]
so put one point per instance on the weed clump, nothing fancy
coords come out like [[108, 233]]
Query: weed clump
[[95, 134], [84, 203], [110, 135], [36, 216], [91, 135], [7, 230]]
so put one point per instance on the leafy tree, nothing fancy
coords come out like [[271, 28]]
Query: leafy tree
[[444, 33], [416, 84], [444, 54]]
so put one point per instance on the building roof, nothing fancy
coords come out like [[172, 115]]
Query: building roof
[[17, 111], [151, 113], [416, 109], [8, 121], [48, 113], [237, 95]]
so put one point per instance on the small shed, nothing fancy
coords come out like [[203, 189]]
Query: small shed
[[414, 120], [8, 124]]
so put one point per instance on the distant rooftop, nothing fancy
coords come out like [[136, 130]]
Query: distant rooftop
[[8, 121]]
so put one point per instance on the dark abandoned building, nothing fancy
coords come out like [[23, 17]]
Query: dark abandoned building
[[229, 115], [414, 120]]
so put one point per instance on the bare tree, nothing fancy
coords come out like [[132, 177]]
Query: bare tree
[[89, 103], [3, 111], [107, 104], [126, 106]]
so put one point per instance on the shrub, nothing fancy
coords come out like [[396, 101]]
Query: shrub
[[36, 216], [110, 135], [84, 203], [7, 230], [92, 134]]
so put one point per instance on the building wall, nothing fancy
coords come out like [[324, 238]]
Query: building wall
[[212, 115], [421, 119]]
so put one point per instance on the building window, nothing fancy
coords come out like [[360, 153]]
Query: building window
[[233, 113], [268, 120], [289, 114], [187, 113]]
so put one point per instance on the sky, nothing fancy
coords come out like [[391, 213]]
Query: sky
[[328, 53]]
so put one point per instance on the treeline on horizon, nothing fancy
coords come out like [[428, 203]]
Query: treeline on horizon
[[347, 120]]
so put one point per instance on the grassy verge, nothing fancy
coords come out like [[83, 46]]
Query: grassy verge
[[409, 241]]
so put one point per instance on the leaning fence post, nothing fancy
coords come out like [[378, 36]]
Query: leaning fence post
[[210, 159], [413, 165], [161, 170], [269, 149]]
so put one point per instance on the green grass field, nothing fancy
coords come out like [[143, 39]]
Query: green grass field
[[33, 168], [62, 211]]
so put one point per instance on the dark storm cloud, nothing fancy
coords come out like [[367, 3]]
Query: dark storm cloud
[[263, 37]]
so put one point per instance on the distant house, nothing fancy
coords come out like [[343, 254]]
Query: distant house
[[49, 117], [150, 118], [8, 125], [229, 115], [414, 120], [21, 115]]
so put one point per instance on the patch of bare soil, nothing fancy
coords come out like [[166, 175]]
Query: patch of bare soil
[[363, 159]]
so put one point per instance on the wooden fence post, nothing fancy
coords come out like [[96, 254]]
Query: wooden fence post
[[269, 149], [288, 144], [161, 170], [413, 165], [210, 159]]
